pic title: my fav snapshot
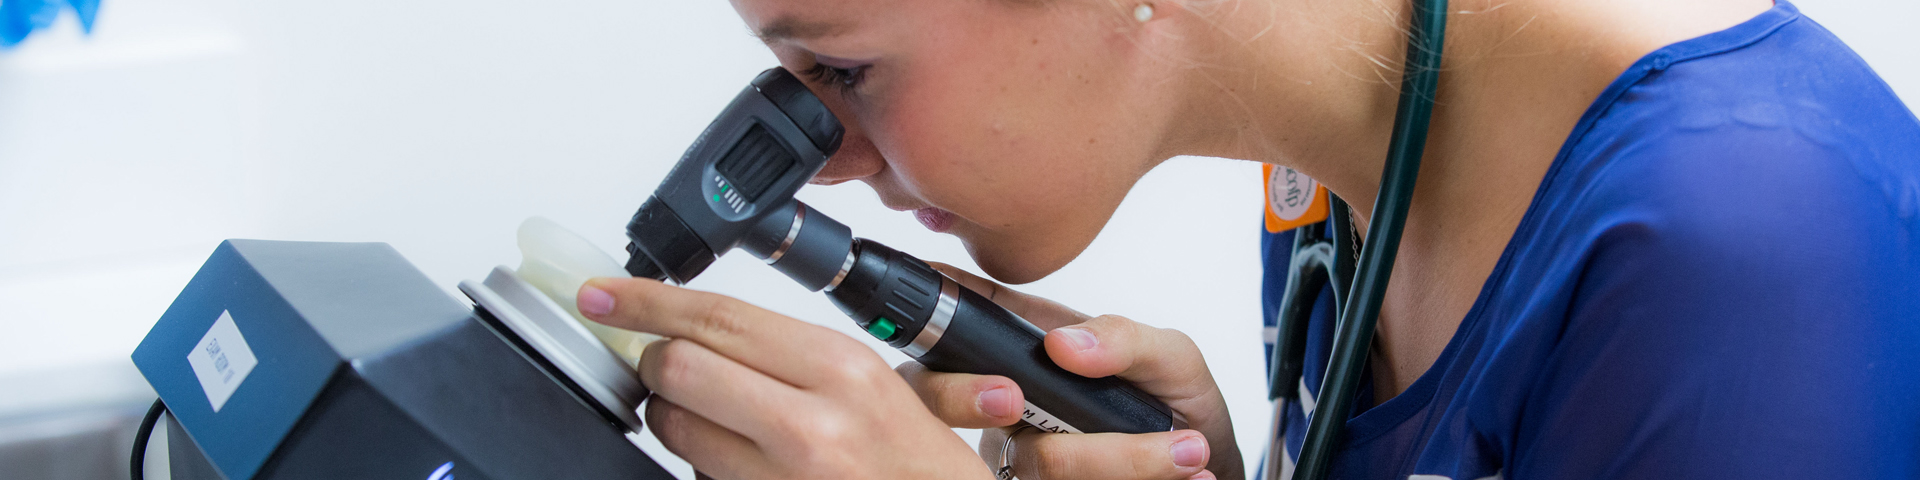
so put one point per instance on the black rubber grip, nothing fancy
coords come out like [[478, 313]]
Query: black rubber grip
[[985, 339], [887, 284]]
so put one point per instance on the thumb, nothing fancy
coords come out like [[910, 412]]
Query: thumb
[[1041, 312], [1162, 362]]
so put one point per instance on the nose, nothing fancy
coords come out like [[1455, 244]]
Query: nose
[[856, 159]]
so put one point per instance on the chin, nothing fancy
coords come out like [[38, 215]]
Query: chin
[[1015, 266]]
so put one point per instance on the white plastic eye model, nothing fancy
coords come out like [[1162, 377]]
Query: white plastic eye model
[[557, 261]]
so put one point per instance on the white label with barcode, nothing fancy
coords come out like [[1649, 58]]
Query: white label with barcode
[[221, 360]]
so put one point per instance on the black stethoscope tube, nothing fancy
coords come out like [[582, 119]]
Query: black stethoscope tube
[[1317, 261], [1361, 307]]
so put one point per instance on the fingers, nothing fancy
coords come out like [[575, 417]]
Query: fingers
[[1041, 312], [725, 392], [1162, 362], [1048, 456], [710, 448], [965, 401], [760, 339]]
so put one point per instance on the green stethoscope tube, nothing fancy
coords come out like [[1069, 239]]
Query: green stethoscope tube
[[1361, 302]]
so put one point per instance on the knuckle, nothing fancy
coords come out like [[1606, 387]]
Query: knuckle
[[1178, 340], [669, 423], [834, 434], [953, 405], [676, 425], [1111, 321], [824, 461], [855, 365], [677, 364], [952, 401], [1148, 460], [851, 373], [808, 430], [821, 443], [721, 316], [1114, 327], [1051, 458]]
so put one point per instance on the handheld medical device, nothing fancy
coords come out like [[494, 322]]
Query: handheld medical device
[[735, 188]]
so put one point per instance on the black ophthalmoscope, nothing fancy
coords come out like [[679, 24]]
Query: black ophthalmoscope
[[734, 189]]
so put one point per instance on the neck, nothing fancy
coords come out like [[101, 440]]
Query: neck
[[1316, 85], [1315, 88]]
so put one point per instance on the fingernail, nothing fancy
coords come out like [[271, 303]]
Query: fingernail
[[1203, 475], [1191, 452], [594, 302], [998, 402], [1080, 340]]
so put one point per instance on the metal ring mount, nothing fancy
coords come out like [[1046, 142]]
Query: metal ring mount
[[1006, 453], [793, 232]]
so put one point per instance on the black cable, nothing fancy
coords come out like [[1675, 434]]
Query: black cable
[[1319, 259], [139, 467], [1419, 86], [1346, 250]]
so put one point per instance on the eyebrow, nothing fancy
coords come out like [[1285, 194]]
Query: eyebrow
[[790, 28]]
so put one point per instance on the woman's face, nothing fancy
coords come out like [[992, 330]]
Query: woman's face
[[1018, 128]]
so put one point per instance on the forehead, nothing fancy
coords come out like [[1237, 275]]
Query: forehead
[[800, 20]]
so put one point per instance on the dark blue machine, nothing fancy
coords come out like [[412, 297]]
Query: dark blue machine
[[294, 360]]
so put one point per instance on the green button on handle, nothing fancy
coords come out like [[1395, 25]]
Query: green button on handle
[[882, 328]]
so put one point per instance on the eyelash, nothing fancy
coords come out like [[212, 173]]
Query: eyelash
[[843, 79]]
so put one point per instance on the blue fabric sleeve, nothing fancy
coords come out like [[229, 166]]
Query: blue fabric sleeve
[[1743, 316]]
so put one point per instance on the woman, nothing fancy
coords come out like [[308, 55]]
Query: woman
[[1652, 238]]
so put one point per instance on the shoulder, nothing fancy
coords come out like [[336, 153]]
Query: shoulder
[[1743, 262], [1749, 139], [1735, 229], [1714, 192], [1740, 295]]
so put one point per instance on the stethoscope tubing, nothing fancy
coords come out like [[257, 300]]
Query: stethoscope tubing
[[1360, 308]]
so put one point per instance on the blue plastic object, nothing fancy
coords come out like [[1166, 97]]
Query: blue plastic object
[[18, 18]]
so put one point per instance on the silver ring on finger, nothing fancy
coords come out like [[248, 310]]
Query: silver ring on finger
[[1006, 453]]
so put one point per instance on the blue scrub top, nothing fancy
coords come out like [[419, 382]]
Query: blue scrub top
[[1719, 277]]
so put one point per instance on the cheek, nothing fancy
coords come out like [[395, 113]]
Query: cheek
[[989, 171], [1031, 140], [1005, 150]]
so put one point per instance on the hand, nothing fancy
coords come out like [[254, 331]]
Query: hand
[[745, 393], [1162, 362]]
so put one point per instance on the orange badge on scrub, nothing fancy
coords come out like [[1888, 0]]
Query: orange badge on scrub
[[1294, 200]]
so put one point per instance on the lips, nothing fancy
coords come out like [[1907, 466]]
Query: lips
[[934, 219]]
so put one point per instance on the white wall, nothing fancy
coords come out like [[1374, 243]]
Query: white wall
[[437, 126]]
